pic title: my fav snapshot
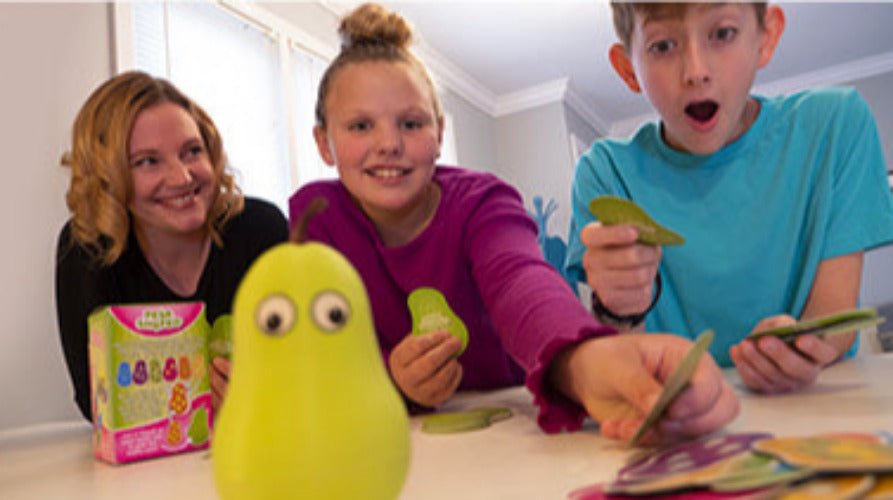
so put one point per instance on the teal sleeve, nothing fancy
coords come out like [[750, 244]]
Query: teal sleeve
[[862, 217], [853, 349], [587, 185]]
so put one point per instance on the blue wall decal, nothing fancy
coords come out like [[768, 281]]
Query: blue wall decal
[[553, 247]]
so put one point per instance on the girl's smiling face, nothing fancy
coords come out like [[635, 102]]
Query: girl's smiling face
[[383, 135], [173, 179]]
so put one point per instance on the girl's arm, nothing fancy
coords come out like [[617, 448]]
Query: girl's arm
[[533, 309]]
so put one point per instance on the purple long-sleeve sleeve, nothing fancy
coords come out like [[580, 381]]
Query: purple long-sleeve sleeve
[[480, 250]]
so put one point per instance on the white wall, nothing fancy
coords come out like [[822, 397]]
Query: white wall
[[52, 55], [580, 128], [877, 275], [535, 156], [876, 92], [474, 131]]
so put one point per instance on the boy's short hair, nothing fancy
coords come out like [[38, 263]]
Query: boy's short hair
[[625, 14]]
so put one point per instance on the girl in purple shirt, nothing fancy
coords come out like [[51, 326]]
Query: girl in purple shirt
[[405, 223]]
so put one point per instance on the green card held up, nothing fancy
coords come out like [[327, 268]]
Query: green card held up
[[843, 322], [675, 383], [430, 312], [611, 210]]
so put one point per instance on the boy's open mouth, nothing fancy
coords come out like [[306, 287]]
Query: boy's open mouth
[[702, 111]]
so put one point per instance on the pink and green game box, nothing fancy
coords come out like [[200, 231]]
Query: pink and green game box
[[149, 380]]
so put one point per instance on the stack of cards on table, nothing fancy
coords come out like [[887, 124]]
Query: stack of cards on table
[[758, 466], [149, 380]]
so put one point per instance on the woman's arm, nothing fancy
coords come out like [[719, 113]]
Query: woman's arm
[[75, 297]]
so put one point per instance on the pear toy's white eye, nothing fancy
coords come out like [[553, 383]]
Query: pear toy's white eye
[[275, 315], [330, 311]]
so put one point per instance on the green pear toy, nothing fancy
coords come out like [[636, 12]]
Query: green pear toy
[[310, 411]]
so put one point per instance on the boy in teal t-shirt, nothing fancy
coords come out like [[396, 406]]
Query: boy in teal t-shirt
[[777, 197]]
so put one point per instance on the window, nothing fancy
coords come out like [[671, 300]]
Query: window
[[244, 75], [448, 143], [304, 75]]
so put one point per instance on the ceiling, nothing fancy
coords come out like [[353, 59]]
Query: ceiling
[[509, 48]]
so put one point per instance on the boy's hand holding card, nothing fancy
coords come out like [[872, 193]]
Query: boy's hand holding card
[[844, 322], [611, 210]]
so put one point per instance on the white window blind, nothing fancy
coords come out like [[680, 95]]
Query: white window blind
[[448, 143], [305, 73]]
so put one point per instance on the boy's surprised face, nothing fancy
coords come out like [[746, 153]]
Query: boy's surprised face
[[696, 66]]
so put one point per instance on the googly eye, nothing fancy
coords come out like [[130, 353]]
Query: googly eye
[[275, 315], [330, 311]]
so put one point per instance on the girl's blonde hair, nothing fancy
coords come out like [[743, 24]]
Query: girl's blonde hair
[[101, 184], [372, 33]]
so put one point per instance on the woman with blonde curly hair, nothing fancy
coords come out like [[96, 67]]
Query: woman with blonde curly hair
[[155, 213]]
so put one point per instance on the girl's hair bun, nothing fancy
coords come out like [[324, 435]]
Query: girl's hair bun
[[372, 24]]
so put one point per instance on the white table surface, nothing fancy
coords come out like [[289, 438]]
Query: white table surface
[[511, 460]]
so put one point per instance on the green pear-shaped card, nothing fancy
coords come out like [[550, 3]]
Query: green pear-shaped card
[[612, 210], [676, 382], [430, 313], [198, 429], [220, 342], [463, 421]]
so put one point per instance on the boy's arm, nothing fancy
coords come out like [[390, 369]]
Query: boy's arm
[[606, 258], [835, 289], [769, 365]]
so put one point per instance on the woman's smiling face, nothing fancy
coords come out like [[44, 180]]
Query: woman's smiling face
[[173, 179]]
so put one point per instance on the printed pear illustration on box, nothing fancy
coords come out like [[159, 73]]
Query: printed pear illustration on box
[[310, 411]]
